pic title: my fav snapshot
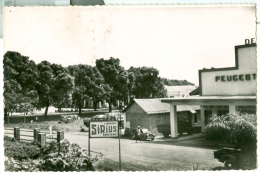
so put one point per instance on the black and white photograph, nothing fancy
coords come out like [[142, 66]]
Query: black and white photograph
[[129, 88]]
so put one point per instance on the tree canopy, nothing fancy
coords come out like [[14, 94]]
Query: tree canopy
[[89, 85], [28, 85]]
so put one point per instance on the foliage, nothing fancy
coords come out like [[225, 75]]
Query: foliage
[[20, 77], [54, 157], [237, 128], [20, 150], [54, 85], [115, 76], [169, 82], [89, 84], [147, 83]]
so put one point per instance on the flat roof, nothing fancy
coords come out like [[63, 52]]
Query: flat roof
[[212, 100]]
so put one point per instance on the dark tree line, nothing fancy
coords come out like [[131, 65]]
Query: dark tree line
[[28, 85]]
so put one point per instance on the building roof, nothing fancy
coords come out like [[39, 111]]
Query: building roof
[[155, 106], [195, 92]]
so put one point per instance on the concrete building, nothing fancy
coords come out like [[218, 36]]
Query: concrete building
[[148, 113], [222, 90], [179, 91]]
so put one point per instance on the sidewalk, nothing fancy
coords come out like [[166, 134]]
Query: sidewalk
[[182, 138], [194, 140]]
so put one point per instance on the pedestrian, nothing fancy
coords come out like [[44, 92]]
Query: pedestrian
[[138, 133]]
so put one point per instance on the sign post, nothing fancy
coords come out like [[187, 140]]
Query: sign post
[[89, 142], [119, 146], [104, 129]]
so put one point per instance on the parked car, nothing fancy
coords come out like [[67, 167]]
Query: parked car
[[99, 117], [236, 158], [145, 135]]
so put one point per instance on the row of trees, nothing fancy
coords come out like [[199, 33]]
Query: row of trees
[[28, 85]]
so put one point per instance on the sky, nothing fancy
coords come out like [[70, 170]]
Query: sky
[[178, 41]]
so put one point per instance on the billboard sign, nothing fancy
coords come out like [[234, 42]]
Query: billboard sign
[[103, 129]]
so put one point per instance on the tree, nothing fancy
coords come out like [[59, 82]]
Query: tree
[[148, 84], [54, 86], [115, 76], [89, 85], [20, 77], [63, 84], [169, 82], [45, 85]]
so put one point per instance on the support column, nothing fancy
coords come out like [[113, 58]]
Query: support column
[[232, 108], [202, 119], [173, 120]]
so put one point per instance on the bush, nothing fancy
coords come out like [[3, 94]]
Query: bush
[[67, 157], [20, 150], [238, 128]]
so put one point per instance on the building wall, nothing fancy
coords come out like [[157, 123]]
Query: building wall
[[246, 85], [135, 116]]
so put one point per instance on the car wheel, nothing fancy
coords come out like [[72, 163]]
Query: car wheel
[[229, 164], [152, 139], [132, 137]]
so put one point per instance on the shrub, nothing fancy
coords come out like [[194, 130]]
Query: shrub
[[20, 150], [237, 128], [66, 157], [69, 157]]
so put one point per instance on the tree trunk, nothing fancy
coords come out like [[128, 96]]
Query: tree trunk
[[110, 105], [46, 111], [80, 107], [95, 105], [5, 115]]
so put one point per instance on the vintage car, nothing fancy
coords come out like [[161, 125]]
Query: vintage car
[[145, 135], [236, 158]]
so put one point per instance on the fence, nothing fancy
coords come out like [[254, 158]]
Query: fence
[[41, 137]]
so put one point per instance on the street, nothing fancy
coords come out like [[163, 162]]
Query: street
[[147, 155]]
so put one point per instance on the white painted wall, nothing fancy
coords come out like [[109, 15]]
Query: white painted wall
[[247, 65]]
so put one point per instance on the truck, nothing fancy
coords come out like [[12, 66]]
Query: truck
[[184, 126]]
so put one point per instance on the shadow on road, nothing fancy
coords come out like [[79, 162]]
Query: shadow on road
[[197, 143]]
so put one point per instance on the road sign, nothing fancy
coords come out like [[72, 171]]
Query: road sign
[[103, 129]]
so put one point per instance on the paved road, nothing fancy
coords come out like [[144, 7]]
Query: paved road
[[148, 155]]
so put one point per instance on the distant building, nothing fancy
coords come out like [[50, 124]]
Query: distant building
[[179, 91]]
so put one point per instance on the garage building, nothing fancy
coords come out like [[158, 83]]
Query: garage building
[[148, 113]]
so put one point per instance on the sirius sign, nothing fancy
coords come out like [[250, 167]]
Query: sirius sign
[[101, 129]]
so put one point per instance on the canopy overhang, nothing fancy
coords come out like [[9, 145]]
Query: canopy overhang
[[212, 100]]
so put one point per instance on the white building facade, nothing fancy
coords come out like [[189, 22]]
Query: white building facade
[[223, 90]]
